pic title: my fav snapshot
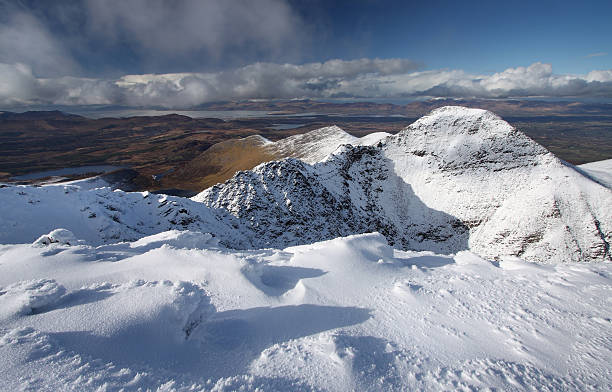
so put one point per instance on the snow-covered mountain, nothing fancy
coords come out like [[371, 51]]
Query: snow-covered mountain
[[219, 162], [456, 179], [515, 196]]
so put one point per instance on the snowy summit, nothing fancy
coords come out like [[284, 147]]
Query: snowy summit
[[457, 254]]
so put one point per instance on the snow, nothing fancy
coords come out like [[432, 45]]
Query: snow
[[25, 297], [351, 313], [315, 146], [601, 171], [101, 215], [517, 197], [57, 236]]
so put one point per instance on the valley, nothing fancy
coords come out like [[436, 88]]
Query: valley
[[174, 151]]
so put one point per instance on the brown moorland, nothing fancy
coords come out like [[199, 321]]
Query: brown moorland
[[175, 151]]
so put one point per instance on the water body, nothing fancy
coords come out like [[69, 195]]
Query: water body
[[68, 171], [280, 127]]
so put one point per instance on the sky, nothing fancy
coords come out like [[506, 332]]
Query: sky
[[185, 53]]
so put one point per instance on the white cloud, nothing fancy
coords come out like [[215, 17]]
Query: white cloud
[[364, 78], [599, 76]]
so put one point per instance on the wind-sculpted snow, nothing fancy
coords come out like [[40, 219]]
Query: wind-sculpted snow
[[101, 215], [176, 312], [27, 297], [456, 179]]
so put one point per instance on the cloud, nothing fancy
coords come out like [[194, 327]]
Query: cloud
[[24, 39], [598, 54], [93, 37], [182, 27], [363, 78]]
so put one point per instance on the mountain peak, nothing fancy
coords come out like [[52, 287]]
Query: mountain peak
[[455, 179], [457, 120], [459, 138]]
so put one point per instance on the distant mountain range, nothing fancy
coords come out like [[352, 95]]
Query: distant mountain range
[[503, 107]]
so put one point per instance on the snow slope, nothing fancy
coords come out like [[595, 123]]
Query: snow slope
[[177, 312], [600, 171], [315, 146], [101, 215]]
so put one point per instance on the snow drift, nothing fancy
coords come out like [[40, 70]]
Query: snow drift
[[174, 312]]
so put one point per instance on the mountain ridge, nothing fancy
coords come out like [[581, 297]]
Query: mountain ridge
[[467, 168], [456, 179]]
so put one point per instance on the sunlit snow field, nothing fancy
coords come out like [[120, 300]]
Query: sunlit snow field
[[176, 311]]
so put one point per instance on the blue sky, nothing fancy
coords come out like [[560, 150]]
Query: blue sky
[[188, 52], [476, 36]]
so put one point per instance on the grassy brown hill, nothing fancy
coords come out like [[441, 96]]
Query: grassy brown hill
[[219, 163]]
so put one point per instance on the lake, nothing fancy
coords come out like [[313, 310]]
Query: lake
[[68, 171]]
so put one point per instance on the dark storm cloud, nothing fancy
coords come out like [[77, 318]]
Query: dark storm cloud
[[186, 26], [25, 39], [94, 37]]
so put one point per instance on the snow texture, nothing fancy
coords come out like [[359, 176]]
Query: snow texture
[[599, 171], [347, 314]]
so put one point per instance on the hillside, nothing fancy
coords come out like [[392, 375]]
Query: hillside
[[456, 179]]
